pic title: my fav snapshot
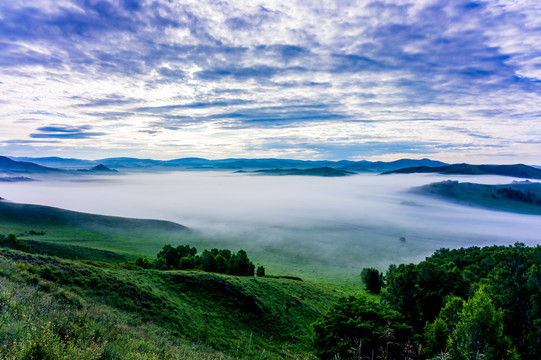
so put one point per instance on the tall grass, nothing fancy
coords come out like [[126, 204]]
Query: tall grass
[[36, 325], [53, 308]]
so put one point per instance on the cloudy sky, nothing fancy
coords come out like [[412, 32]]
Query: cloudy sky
[[450, 80]]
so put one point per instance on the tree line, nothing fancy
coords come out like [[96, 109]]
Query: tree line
[[468, 303], [185, 257]]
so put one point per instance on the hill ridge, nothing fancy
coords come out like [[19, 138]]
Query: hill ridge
[[516, 170]]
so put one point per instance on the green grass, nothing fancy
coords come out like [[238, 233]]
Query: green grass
[[241, 317], [102, 238], [128, 237], [35, 324]]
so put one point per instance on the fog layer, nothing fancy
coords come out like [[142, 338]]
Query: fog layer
[[309, 225]]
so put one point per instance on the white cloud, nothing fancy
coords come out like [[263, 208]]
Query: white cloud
[[391, 63]]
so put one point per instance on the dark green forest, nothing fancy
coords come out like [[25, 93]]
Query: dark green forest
[[468, 303]]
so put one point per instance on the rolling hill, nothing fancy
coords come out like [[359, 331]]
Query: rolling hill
[[324, 171], [519, 197], [66, 309], [74, 292], [126, 236], [518, 170], [10, 166], [194, 163]]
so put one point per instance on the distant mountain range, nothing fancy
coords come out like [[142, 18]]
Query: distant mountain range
[[98, 169], [518, 170], [324, 171], [56, 165], [11, 166], [194, 163]]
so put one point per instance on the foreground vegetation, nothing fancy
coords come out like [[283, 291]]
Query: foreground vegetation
[[184, 257], [120, 311], [60, 300], [474, 303]]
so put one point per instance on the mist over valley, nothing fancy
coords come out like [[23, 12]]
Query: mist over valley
[[316, 227]]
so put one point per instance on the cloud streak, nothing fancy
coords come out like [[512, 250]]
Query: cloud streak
[[65, 132]]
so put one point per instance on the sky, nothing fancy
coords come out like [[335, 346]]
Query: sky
[[457, 81]]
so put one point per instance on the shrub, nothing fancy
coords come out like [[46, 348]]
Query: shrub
[[352, 319], [372, 279]]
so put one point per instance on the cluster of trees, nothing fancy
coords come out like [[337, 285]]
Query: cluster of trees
[[519, 195], [12, 242], [473, 303], [360, 326], [184, 257]]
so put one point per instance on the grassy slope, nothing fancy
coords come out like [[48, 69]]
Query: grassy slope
[[488, 196], [240, 316], [129, 237]]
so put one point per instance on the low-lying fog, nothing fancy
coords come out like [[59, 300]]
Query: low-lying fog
[[295, 223]]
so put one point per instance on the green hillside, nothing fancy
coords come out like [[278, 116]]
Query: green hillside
[[70, 289], [131, 238], [90, 310], [128, 237], [520, 197], [517, 170]]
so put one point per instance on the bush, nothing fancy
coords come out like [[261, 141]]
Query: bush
[[372, 279], [352, 319], [12, 242], [143, 263]]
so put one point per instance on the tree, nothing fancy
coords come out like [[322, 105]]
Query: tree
[[187, 263], [239, 264], [170, 255], [401, 292], [161, 264], [372, 279], [352, 319], [479, 332], [260, 271], [185, 250], [143, 262], [437, 332], [207, 261], [221, 264], [173, 255]]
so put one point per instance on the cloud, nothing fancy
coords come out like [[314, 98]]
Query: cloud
[[194, 105], [23, 141], [110, 100], [111, 115], [65, 132], [236, 66], [344, 149], [259, 72]]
